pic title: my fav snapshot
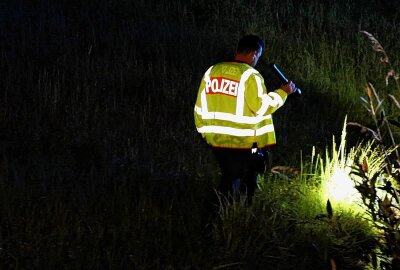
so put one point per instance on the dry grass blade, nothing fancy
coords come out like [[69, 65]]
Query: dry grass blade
[[375, 43], [384, 60], [368, 34], [333, 264], [377, 109], [364, 101], [377, 47], [389, 75], [395, 101], [365, 129], [285, 172], [226, 266], [371, 90], [368, 90], [365, 104]]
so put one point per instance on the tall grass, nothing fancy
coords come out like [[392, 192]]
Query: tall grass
[[289, 228], [100, 164], [376, 172]]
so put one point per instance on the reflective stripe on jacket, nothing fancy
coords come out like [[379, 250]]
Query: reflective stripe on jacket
[[233, 108]]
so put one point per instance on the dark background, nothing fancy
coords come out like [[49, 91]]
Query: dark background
[[102, 92]]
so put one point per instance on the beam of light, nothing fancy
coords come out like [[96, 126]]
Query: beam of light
[[340, 189], [337, 186]]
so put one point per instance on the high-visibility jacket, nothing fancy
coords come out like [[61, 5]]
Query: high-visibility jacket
[[233, 108]]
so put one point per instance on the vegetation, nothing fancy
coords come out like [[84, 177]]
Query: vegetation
[[100, 163], [376, 169]]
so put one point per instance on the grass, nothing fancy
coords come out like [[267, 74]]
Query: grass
[[100, 164], [118, 230]]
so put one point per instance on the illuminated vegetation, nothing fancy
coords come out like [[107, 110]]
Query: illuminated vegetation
[[100, 164]]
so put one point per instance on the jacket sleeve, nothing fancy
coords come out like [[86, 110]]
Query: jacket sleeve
[[259, 101], [198, 105]]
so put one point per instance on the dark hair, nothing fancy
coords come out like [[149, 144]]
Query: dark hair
[[250, 43]]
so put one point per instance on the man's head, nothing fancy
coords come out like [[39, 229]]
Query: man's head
[[249, 49]]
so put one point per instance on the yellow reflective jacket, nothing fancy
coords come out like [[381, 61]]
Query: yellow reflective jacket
[[233, 108]]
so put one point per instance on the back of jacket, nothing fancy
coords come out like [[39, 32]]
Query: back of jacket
[[233, 108]]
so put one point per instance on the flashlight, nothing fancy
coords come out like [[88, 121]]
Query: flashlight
[[282, 77]]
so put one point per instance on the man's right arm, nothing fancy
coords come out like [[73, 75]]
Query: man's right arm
[[289, 88]]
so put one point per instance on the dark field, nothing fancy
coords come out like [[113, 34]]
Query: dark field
[[100, 163]]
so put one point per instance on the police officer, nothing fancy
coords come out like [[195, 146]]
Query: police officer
[[233, 113]]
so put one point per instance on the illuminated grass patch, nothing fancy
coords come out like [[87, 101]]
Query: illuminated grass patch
[[337, 185]]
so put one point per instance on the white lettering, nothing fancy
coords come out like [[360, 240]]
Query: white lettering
[[214, 86], [208, 85], [223, 86], [233, 88]]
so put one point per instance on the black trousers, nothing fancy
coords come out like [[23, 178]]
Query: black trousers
[[239, 172], [239, 177]]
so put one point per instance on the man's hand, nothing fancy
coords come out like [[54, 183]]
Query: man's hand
[[289, 88]]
